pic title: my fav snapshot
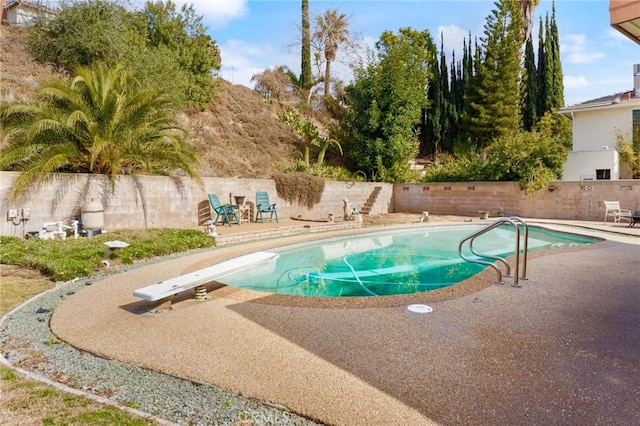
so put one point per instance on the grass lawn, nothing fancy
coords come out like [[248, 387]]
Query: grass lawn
[[24, 264]]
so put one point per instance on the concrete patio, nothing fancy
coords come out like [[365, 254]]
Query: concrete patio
[[560, 350]]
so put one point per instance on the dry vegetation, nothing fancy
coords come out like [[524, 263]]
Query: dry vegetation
[[299, 188], [19, 73], [238, 136]]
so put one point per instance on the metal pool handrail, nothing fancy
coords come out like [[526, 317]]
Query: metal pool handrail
[[512, 220]]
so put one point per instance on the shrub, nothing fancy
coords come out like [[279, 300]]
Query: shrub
[[532, 159]]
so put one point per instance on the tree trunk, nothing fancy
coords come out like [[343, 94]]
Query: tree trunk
[[327, 78]]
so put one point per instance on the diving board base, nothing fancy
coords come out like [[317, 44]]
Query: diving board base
[[165, 303], [201, 292]]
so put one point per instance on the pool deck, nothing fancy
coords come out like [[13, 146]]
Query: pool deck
[[563, 349]]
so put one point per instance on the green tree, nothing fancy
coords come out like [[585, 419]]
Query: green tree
[[494, 110], [629, 153], [386, 101], [102, 121], [456, 96], [306, 78], [83, 33], [532, 159], [166, 49], [438, 114], [182, 33], [549, 99], [557, 83], [541, 72], [530, 88]]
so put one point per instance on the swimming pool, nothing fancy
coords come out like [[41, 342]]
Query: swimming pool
[[386, 263]]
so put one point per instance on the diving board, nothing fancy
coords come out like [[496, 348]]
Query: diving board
[[164, 291]]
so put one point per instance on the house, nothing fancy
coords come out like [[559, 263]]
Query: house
[[597, 126], [599, 123], [25, 13]]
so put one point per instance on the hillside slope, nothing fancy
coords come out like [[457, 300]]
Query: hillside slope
[[238, 136]]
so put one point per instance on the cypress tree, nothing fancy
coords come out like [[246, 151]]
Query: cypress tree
[[445, 93], [541, 72], [549, 96], [457, 83], [454, 103], [529, 107], [556, 65], [305, 75], [434, 116], [470, 58], [467, 65]]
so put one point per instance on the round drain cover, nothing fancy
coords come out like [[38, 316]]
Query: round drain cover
[[421, 309]]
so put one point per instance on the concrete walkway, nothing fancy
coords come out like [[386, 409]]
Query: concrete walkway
[[561, 350]]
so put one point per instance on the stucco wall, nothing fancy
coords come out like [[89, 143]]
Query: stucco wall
[[582, 165], [595, 134], [597, 128]]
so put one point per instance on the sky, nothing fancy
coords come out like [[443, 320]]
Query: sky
[[254, 35]]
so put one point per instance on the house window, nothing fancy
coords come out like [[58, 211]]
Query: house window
[[603, 174]]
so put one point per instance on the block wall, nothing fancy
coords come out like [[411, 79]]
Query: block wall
[[561, 200], [155, 201]]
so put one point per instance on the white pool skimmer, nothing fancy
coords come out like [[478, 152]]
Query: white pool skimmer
[[420, 309]]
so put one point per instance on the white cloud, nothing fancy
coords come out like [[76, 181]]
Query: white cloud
[[575, 82], [241, 60], [615, 37], [453, 37], [218, 12], [574, 49]]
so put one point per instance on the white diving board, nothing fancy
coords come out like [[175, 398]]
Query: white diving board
[[164, 290]]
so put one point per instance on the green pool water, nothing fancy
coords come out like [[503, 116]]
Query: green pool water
[[386, 263]]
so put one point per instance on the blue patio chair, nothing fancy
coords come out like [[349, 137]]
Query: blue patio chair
[[225, 213], [264, 206]]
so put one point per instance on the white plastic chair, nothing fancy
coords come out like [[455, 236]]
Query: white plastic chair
[[612, 209]]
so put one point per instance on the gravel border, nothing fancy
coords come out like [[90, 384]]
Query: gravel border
[[30, 347]]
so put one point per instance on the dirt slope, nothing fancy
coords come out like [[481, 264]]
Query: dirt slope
[[238, 136]]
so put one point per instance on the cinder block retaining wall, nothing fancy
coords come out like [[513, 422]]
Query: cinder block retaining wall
[[562, 200], [167, 204]]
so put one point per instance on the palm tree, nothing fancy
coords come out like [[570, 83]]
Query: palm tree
[[527, 7], [103, 122], [332, 30]]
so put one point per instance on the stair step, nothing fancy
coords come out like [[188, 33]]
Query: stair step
[[368, 205]]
